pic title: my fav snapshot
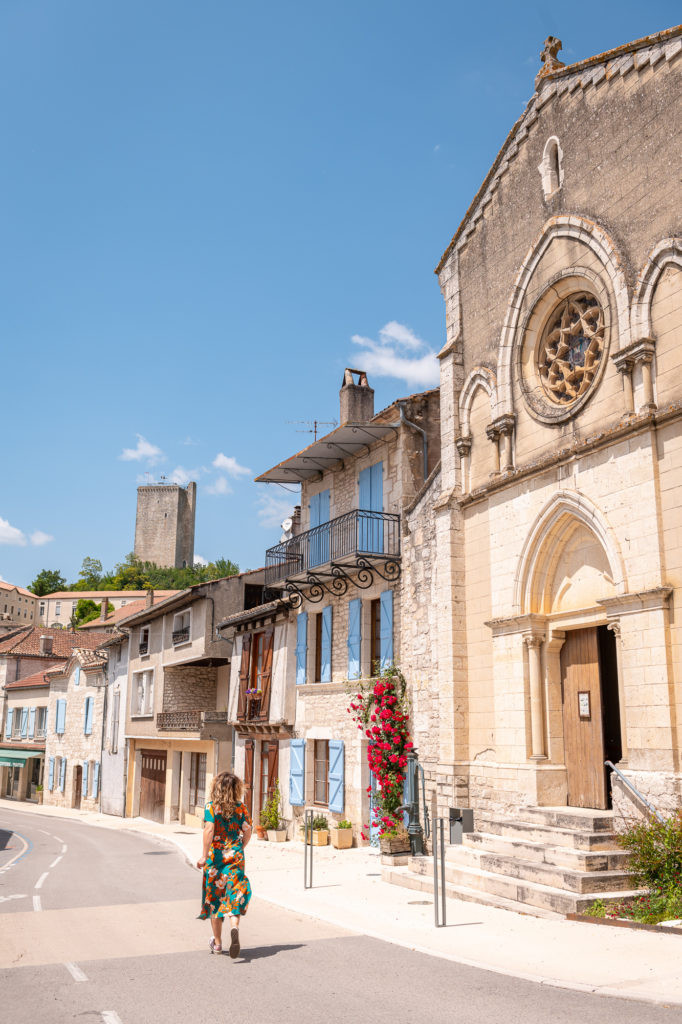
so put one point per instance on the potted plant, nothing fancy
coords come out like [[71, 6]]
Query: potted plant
[[342, 835], [395, 840], [271, 819], [39, 793], [320, 830]]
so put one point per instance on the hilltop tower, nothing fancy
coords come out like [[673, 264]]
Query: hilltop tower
[[164, 525]]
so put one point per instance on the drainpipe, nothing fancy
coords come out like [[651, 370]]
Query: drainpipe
[[408, 423]]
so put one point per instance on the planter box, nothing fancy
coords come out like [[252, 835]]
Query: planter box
[[394, 844], [277, 835], [342, 838], [39, 796]]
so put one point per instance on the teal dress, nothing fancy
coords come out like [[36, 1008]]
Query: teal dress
[[226, 890]]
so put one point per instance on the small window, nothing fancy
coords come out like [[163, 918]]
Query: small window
[[41, 723], [58, 608], [144, 640], [197, 784], [16, 722], [321, 772], [257, 646], [115, 714], [551, 170], [181, 627], [142, 698]]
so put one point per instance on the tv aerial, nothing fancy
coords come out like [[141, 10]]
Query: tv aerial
[[312, 426]]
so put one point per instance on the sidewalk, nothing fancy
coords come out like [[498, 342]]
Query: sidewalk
[[348, 892]]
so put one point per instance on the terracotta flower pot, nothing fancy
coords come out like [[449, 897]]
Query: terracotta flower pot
[[342, 838]]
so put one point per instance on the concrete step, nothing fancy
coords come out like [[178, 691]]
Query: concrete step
[[519, 890], [544, 852], [582, 819], [551, 835], [553, 875], [421, 883]]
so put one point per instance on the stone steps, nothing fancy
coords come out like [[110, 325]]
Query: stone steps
[[553, 860]]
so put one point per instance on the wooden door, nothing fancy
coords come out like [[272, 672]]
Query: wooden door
[[153, 785], [583, 720], [77, 786], [248, 775]]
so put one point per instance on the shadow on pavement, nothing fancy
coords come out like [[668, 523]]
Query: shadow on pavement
[[5, 837], [259, 952]]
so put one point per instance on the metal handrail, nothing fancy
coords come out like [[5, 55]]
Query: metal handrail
[[611, 765], [358, 532]]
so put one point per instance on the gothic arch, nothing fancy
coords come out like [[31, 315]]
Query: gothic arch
[[480, 377], [668, 251], [582, 230], [552, 529]]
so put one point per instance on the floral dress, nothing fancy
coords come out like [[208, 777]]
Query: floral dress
[[226, 890]]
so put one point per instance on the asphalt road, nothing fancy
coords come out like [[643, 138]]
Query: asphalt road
[[101, 926]]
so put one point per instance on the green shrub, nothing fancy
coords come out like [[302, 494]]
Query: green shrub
[[344, 824], [319, 823], [270, 816], [655, 849]]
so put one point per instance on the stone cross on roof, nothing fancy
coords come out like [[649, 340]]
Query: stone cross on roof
[[549, 59]]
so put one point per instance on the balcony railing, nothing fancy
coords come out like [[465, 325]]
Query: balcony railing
[[188, 721], [180, 635], [357, 534], [143, 646]]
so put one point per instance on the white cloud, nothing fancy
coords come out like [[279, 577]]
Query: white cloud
[[399, 353], [273, 508], [230, 465], [199, 560], [144, 451], [11, 535], [221, 486], [38, 538], [182, 476]]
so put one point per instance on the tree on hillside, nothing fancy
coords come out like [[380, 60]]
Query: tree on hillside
[[86, 611], [90, 575], [48, 581]]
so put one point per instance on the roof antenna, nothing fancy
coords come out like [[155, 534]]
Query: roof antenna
[[312, 426]]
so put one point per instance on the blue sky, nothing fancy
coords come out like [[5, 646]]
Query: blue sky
[[208, 210]]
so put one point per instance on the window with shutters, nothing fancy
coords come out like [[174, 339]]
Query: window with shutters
[[115, 715], [255, 676], [16, 722], [142, 697], [182, 626], [264, 777], [318, 647], [143, 644], [321, 773], [197, 783], [41, 723]]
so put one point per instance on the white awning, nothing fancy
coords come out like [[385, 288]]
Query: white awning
[[346, 442]]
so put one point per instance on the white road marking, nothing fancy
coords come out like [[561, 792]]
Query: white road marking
[[37, 905], [19, 896], [16, 856], [64, 847], [44, 832], [58, 839], [110, 1017], [56, 861], [39, 883], [75, 972]]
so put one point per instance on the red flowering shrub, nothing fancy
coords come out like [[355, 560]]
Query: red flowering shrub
[[381, 710]]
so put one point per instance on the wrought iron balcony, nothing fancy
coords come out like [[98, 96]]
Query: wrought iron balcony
[[143, 646], [346, 550], [180, 636]]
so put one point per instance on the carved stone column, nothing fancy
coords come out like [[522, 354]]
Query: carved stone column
[[494, 437], [464, 449], [625, 366], [537, 711], [646, 360], [505, 425], [638, 353]]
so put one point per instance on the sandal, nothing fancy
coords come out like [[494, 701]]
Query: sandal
[[214, 947], [234, 943]]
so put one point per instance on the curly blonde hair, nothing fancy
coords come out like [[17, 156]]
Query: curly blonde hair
[[226, 792]]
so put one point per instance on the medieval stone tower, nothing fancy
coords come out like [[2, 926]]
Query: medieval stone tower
[[164, 525]]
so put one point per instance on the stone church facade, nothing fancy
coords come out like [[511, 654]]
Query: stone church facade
[[545, 560]]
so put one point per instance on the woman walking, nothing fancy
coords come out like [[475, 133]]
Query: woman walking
[[227, 830]]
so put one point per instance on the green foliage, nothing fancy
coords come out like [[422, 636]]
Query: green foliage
[[270, 816], [90, 575], [86, 611], [48, 581], [344, 824], [319, 823], [133, 574]]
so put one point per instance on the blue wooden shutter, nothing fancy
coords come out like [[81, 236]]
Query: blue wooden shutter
[[31, 723], [24, 723], [326, 658], [62, 774], [61, 717], [50, 774], [87, 724], [336, 787], [354, 637], [296, 772], [386, 630], [371, 499], [95, 780], [301, 647], [85, 778], [319, 514], [376, 473], [8, 723], [77, 675]]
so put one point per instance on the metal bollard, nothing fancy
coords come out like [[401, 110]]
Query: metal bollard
[[308, 845], [439, 854]]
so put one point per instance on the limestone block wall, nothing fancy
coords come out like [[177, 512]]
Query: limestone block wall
[[189, 688], [115, 749], [74, 744]]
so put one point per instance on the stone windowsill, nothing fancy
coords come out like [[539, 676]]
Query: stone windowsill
[[320, 688]]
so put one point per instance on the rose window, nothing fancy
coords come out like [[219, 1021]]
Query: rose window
[[571, 348]]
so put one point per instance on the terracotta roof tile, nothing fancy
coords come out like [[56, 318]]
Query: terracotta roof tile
[[27, 642], [37, 679]]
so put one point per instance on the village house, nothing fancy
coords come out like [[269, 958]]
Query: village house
[[176, 722], [339, 569], [114, 743], [56, 609], [74, 731], [17, 606]]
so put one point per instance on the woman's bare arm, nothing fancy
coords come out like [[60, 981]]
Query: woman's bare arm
[[246, 833], [207, 840]]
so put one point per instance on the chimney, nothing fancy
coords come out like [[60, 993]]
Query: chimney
[[104, 608], [356, 401], [46, 645], [149, 600]]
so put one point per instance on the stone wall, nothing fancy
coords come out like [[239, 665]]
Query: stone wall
[[189, 688], [164, 524], [74, 744]]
